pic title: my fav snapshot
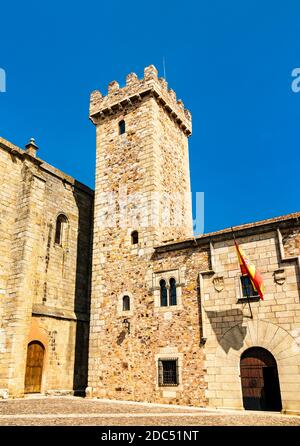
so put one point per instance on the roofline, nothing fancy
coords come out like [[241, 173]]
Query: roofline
[[22, 154], [136, 97], [247, 229]]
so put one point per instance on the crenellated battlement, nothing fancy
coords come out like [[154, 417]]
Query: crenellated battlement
[[134, 91]]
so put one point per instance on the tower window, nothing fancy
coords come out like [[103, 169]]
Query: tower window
[[168, 372], [247, 287], [61, 230], [172, 292], [126, 303], [122, 127], [134, 238], [163, 293]]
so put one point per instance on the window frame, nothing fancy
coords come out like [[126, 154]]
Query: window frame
[[125, 310], [170, 292], [119, 306], [163, 288], [154, 285], [61, 227], [162, 372]]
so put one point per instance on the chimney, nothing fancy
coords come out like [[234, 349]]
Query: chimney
[[31, 147]]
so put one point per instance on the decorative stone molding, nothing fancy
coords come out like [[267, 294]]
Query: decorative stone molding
[[157, 276], [282, 253], [177, 274], [218, 282], [279, 276], [58, 313]]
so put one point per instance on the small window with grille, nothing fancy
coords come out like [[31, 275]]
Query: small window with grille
[[247, 287], [168, 372]]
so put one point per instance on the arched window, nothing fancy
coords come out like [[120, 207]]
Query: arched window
[[173, 295], [163, 293], [122, 127], [134, 238], [126, 303], [61, 230]]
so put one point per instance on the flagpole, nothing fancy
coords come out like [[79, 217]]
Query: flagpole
[[247, 288]]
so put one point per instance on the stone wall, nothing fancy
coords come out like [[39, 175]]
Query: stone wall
[[143, 185], [210, 326], [124, 366], [44, 284], [174, 174], [10, 169], [138, 167], [275, 326]]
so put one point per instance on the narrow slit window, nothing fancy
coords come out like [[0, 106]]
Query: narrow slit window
[[163, 293], [172, 291], [126, 303], [134, 238], [61, 230], [122, 127]]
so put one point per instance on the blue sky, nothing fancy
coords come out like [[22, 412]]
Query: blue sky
[[230, 62]]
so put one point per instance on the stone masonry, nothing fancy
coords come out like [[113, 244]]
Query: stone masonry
[[94, 299], [144, 170], [226, 327], [142, 184], [44, 287]]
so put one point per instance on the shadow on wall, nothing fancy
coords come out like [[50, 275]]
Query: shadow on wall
[[234, 318], [82, 289]]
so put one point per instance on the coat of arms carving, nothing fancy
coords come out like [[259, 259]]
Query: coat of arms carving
[[218, 283], [279, 276]]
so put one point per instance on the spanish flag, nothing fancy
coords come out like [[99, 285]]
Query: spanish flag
[[249, 269]]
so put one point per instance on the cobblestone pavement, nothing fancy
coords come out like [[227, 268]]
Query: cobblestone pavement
[[72, 411]]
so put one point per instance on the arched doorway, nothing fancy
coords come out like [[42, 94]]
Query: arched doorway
[[260, 382], [34, 367]]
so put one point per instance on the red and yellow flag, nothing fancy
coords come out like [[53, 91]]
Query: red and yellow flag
[[249, 269]]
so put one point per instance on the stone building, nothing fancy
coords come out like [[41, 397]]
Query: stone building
[[171, 318], [45, 241]]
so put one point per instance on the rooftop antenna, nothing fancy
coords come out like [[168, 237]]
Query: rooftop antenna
[[164, 67]]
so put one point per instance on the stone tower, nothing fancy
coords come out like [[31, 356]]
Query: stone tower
[[142, 200]]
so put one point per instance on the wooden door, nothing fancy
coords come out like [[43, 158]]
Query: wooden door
[[259, 378], [34, 367]]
